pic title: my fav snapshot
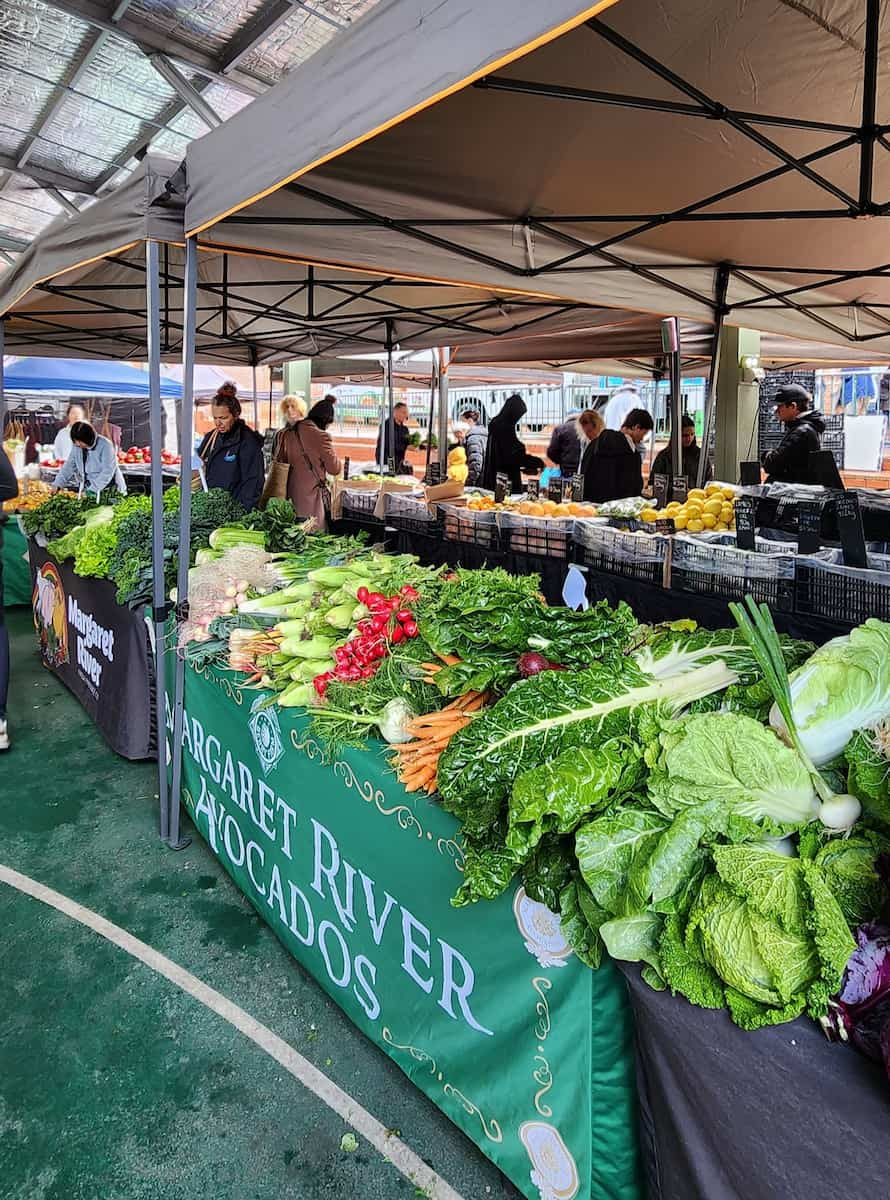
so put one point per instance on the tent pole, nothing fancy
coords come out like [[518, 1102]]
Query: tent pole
[[434, 382], [186, 445], [159, 612], [722, 284], [442, 435], [676, 407], [390, 402], [256, 403]]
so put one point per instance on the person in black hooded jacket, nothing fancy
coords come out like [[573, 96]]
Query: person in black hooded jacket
[[790, 461], [232, 453], [504, 453]]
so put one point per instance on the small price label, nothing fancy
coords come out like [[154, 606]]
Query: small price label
[[554, 490], [661, 486], [433, 474], [680, 488], [665, 525], [749, 474], [533, 488], [809, 528], [745, 526], [390, 466], [346, 467], [501, 488], [849, 523], [577, 491]]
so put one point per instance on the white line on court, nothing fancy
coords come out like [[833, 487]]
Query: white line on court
[[401, 1156]]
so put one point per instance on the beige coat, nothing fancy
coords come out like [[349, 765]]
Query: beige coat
[[303, 479]]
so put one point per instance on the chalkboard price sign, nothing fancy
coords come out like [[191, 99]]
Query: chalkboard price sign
[[849, 523], [745, 524], [680, 488], [749, 474], [809, 528], [433, 474], [533, 488], [577, 493], [665, 525], [566, 490], [346, 467], [501, 488], [554, 490], [661, 486]]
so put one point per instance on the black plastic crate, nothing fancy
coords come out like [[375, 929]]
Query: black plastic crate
[[824, 587], [411, 515], [473, 527], [359, 504], [720, 568], [544, 537], [632, 555]]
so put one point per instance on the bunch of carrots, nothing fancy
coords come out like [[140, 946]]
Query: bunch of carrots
[[417, 761]]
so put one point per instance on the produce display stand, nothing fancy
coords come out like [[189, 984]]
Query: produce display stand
[[732, 1115], [485, 1009], [16, 570], [98, 649]]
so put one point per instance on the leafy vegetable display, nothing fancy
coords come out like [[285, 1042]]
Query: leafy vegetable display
[[57, 515]]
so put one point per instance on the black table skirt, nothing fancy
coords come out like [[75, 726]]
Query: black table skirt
[[778, 1114]]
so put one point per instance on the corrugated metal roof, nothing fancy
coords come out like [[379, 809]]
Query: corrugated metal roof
[[81, 99]]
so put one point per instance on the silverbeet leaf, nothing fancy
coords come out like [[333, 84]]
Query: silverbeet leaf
[[541, 718]]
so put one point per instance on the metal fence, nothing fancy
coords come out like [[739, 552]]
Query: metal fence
[[546, 405]]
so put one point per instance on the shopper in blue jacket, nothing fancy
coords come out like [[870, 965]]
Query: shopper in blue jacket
[[232, 453]]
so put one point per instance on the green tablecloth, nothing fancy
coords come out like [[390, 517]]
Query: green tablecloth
[[484, 1008], [16, 572]]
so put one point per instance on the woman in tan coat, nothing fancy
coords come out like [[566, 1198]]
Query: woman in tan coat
[[309, 450]]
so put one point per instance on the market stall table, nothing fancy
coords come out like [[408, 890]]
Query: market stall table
[[99, 649], [485, 1009], [16, 571]]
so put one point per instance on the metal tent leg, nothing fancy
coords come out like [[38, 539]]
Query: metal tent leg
[[442, 433], [153, 315], [186, 443], [722, 284]]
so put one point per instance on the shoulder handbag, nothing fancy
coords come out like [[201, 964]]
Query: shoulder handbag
[[275, 487], [320, 483]]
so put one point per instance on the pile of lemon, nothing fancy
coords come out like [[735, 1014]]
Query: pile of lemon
[[712, 507]]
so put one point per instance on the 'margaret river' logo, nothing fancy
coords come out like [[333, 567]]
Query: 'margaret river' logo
[[50, 619]]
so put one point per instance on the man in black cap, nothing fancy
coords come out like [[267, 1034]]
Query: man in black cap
[[790, 461]]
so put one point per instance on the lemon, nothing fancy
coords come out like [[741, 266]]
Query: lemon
[[694, 508], [721, 527], [714, 506], [672, 508], [648, 514], [696, 494], [694, 525], [709, 520], [728, 494], [680, 521]]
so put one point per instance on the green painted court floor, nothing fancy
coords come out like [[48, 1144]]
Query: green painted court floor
[[115, 1084]]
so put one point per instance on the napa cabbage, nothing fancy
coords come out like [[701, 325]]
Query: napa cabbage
[[844, 686]]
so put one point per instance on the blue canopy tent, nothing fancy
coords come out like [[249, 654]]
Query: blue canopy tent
[[82, 376]]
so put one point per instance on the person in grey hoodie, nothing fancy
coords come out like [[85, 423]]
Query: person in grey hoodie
[[475, 441], [92, 464]]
